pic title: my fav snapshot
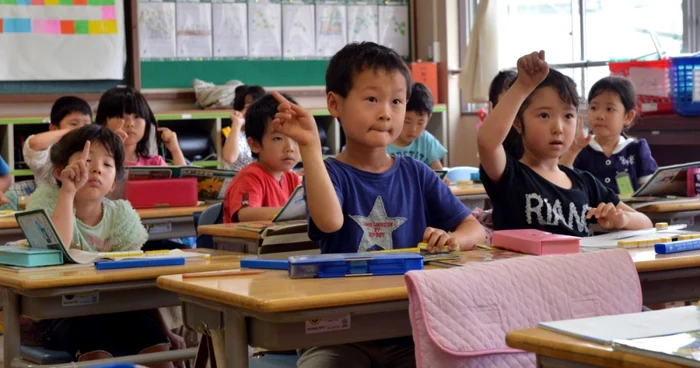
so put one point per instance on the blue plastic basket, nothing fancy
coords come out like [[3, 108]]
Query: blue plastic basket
[[684, 75]]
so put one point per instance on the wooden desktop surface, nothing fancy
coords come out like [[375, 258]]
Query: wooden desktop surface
[[228, 231], [274, 291], [556, 345], [468, 189], [146, 213], [78, 275], [662, 207]]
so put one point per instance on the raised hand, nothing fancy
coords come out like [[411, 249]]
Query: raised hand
[[295, 122], [169, 138], [120, 131], [532, 69], [75, 175], [237, 121], [582, 138]]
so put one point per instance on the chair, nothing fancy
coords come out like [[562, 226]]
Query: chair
[[463, 322], [459, 173], [211, 215]]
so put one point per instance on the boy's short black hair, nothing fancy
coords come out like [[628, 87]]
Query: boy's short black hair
[[67, 105], [355, 58], [119, 101], [74, 141], [242, 91], [500, 83], [421, 100], [260, 114]]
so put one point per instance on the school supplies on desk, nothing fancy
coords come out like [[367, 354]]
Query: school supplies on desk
[[294, 209], [682, 349], [268, 264], [138, 263], [155, 193], [353, 264], [632, 238], [666, 181], [211, 183], [535, 242], [30, 257], [605, 329], [680, 245], [7, 213]]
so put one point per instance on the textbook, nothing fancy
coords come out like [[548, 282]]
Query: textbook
[[211, 183], [682, 348], [41, 234], [294, 209], [667, 181]]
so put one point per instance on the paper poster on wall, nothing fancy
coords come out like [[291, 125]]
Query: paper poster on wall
[[331, 29], [363, 23], [393, 28], [264, 30], [194, 30], [62, 40], [156, 30], [298, 32], [230, 29]]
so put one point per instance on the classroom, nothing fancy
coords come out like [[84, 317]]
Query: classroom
[[349, 183]]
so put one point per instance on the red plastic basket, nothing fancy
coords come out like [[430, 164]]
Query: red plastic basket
[[650, 78]]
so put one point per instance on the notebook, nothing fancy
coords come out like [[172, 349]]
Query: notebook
[[682, 348], [41, 234], [294, 209], [605, 329], [666, 181]]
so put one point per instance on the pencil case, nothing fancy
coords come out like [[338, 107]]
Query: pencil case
[[30, 257], [353, 264]]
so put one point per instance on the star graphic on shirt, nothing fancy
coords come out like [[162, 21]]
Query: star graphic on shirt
[[377, 227]]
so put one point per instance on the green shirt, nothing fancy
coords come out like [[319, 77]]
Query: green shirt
[[120, 228]]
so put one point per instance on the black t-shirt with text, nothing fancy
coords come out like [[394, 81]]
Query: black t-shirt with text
[[523, 199]]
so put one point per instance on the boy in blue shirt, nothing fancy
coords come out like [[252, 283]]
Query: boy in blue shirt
[[5, 181], [364, 199], [414, 140]]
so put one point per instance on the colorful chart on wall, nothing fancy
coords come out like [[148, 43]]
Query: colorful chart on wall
[[62, 40]]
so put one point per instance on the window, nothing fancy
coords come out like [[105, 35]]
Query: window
[[573, 31]]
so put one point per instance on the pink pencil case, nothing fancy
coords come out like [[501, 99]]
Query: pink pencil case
[[535, 242]]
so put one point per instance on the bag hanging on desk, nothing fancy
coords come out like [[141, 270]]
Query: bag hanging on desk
[[693, 180]]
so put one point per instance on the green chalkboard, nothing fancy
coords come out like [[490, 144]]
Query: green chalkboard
[[59, 87], [281, 73]]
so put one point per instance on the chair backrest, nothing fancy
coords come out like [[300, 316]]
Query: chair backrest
[[455, 174], [463, 322], [211, 215]]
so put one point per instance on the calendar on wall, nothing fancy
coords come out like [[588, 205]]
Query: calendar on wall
[[62, 40]]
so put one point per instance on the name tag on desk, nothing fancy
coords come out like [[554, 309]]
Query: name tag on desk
[[624, 184], [159, 228]]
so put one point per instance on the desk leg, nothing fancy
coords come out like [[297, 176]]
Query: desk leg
[[235, 344], [11, 335]]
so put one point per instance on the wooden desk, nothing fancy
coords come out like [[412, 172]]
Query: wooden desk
[[228, 237], [271, 311], [674, 213], [558, 350], [41, 294], [161, 223], [472, 195]]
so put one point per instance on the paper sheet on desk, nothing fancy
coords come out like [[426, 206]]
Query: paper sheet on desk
[[610, 240]]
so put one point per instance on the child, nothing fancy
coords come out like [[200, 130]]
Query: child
[[5, 181], [414, 141], [611, 110], [126, 112], [259, 191], [535, 192], [513, 144], [87, 162], [67, 113], [236, 152], [364, 199]]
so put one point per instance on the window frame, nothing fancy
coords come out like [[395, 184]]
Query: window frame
[[467, 9]]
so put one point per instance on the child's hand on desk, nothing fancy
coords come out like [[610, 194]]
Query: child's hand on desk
[[295, 122], [169, 138], [75, 175], [3, 199], [609, 217], [437, 238]]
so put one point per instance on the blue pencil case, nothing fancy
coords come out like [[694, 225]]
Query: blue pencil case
[[266, 264], [141, 262], [353, 264]]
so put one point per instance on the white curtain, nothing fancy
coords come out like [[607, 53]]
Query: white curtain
[[481, 59]]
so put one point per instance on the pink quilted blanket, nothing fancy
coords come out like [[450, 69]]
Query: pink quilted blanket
[[460, 316]]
